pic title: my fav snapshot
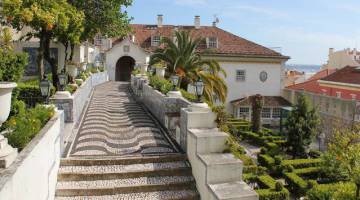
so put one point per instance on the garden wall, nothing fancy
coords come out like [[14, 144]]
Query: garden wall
[[33, 175], [74, 105]]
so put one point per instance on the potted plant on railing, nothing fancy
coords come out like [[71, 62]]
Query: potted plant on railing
[[160, 69]]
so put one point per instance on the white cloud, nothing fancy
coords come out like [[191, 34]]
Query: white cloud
[[191, 2]]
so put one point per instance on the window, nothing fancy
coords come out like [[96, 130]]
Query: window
[[338, 94], [266, 113], [240, 75], [243, 112], [276, 113], [212, 42], [98, 40], [155, 40]]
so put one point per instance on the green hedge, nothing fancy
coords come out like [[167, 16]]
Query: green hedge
[[266, 181], [254, 169], [302, 163], [309, 171], [266, 161], [270, 194], [296, 183], [30, 94]]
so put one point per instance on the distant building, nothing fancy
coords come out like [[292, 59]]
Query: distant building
[[340, 59], [251, 68], [293, 77]]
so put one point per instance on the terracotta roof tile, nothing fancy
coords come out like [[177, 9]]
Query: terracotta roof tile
[[269, 101], [349, 74], [228, 43]]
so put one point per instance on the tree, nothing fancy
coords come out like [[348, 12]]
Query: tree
[[43, 17], [302, 126], [256, 107], [344, 149], [183, 59], [103, 17]]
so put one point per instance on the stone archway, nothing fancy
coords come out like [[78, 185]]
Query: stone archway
[[124, 67]]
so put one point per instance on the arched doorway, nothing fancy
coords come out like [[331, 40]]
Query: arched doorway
[[124, 67]]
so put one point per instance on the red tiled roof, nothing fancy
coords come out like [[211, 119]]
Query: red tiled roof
[[269, 101], [228, 43], [349, 74], [313, 86]]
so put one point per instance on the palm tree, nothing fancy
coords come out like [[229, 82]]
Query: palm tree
[[181, 57]]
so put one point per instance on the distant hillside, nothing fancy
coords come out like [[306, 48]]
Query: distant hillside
[[304, 68]]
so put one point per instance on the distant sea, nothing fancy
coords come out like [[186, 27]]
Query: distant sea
[[308, 69]]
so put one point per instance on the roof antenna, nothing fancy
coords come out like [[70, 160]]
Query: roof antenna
[[216, 20]]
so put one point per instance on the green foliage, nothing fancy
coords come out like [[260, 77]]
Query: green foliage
[[254, 169], [308, 171], [238, 151], [267, 194], [266, 161], [162, 85], [302, 163], [25, 125], [336, 191], [187, 95], [183, 59], [344, 151], [104, 17], [71, 88], [296, 183], [221, 117], [135, 71], [279, 186], [12, 65], [267, 181], [302, 126], [78, 82]]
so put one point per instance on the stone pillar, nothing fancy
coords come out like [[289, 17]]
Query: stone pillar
[[196, 115], [64, 101]]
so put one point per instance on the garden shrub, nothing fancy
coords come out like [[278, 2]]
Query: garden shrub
[[336, 191], [266, 161], [314, 153], [12, 65], [78, 82], [273, 149], [24, 126], [71, 88], [268, 194], [309, 171], [279, 186], [30, 93], [162, 85], [303, 163], [254, 169], [296, 183], [187, 95], [266, 181]]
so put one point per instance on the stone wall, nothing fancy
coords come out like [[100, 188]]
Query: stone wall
[[33, 175], [164, 108], [74, 105], [218, 175]]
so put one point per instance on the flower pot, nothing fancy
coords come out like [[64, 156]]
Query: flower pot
[[5, 99], [160, 72], [144, 68], [72, 70]]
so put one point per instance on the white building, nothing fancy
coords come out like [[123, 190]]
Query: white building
[[342, 58], [251, 68], [85, 52]]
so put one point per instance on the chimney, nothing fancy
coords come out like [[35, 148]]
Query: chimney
[[160, 21], [331, 51], [354, 51], [214, 24], [197, 22]]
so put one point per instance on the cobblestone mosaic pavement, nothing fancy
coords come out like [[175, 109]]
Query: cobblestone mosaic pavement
[[114, 124]]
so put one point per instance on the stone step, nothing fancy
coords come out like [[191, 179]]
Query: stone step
[[83, 161], [107, 172], [158, 195], [238, 190], [124, 186], [222, 167]]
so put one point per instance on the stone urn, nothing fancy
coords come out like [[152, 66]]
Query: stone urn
[[5, 99], [72, 70], [83, 66], [160, 72], [143, 69], [7, 153]]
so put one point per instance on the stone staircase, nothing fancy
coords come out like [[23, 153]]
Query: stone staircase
[[145, 178]]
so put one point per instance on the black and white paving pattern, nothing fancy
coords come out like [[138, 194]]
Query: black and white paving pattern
[[114, 124]]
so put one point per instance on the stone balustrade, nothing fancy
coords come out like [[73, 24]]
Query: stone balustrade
[[33, 174], [218, 175], [73, 105]]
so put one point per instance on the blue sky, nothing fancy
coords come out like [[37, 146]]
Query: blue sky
[[304, 29]]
